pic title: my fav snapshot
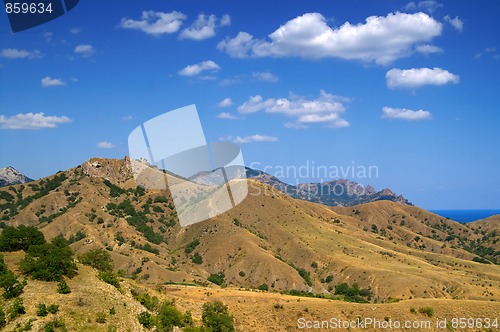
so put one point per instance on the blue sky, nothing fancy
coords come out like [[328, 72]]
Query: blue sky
[[408, 87]]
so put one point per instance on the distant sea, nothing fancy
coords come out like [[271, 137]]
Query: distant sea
[[466, 215]]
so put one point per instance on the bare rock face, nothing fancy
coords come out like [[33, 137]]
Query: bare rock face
[[114, 170]]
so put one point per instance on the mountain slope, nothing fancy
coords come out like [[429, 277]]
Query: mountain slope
[[396, 250]]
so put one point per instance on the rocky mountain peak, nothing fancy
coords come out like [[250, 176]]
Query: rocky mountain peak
[[10, 176]]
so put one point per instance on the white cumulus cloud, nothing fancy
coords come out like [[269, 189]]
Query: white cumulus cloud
[[416, 77], [202, 28], [14, 53], [49, 82], [405, 114], [196, 69], [455, 22], [31, 121], [326, 109], [85, 50], [226, 102], [105, 145], [155, 23], [381, 39]]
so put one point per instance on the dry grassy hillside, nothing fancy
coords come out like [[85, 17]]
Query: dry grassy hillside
[[398, 252]]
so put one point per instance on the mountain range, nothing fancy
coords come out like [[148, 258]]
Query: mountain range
[[398, 253], [339, 192]]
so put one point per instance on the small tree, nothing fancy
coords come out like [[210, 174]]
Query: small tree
[[168, 316], [216, 317], [49, 262], [11, 284]]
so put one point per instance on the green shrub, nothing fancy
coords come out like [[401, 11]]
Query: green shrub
[[146, 319], [149, 248], [98, 259], [217, 278], [114, 190], [16, 309], [197, 259], [53, 308], [148, 301], [63, 288], [216, 317], [241, 273], [41, 310], [100, 317], [429, 311], [3, 321], [264, 287], [168, 316], [110, 277], [191, 246], [11, 284], [158, 209], [53, 324]]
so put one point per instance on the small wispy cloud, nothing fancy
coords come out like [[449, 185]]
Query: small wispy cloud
[[50, 82], [265, 76], [105, 145], [196, 69], [226, 102], [491, 51], [14, 53], [455, 22], [405, 114], [226, 115], [429, 6], [427, 49], [250, 139], [31, 121], [85, 50]]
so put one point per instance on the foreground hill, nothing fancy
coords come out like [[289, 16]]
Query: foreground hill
[[271, 240]]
